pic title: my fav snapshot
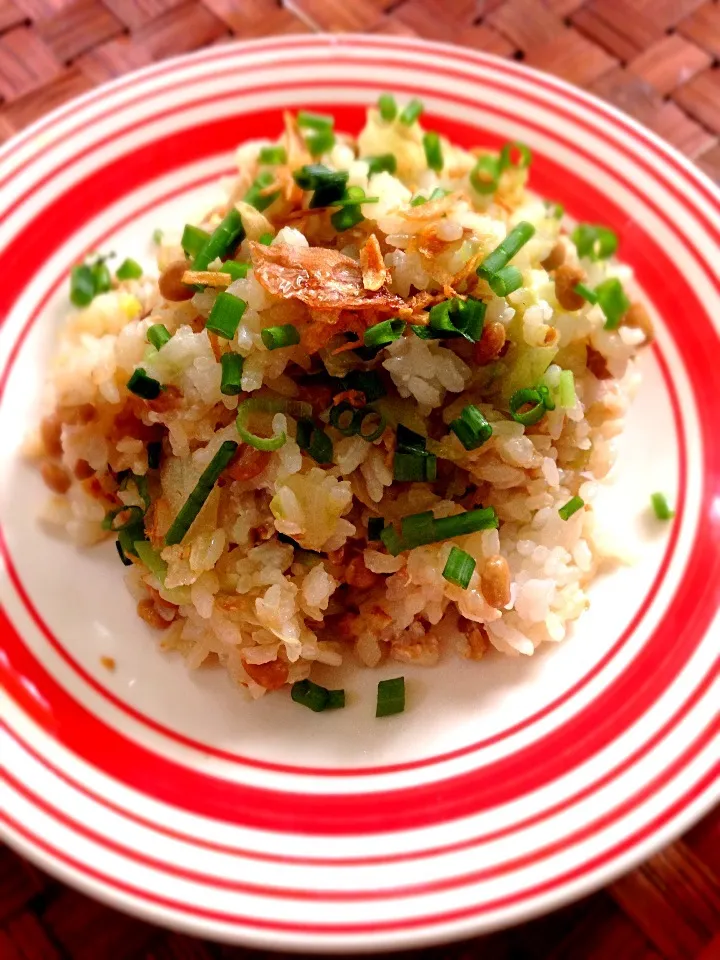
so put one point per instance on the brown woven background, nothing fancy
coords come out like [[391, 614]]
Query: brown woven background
[[656, 59]]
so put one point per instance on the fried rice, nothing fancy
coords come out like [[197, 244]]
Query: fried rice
[[364, 432]]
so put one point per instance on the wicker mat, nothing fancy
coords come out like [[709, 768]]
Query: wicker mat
[[656, 59]]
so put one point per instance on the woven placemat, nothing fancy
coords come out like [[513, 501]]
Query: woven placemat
[[655, 59]]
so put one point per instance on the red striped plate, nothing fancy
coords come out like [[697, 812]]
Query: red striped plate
[[504, 790]]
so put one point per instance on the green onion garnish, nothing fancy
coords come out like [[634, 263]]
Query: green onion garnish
[[154, 454], [418, 201], [368, 414], [317, 698], [101, 277], [386, 162], [231, 374], [193, 240], [266, 239], [226, 235], [505, 281], [433, 151], [484, 518], [203, 488], [546, 397], [438, 193], [158, 335], [342, 417], [129, 270], [320, 142], [284, 336], [409, 441], [414, 467], [267, 405], [507, 156], [381, 334], [594, 241], [586, 292], [567, 398], [520, 399], [613, 302], [121, 554], [555, 210], [661, 507], [458, 317], [225, 315], [485, 175], [238, 270], [255, 197], [505, 251], [315, 121], [390, 697], [418, 528], [82, 285], [272, 155], [347, 218], [411, 112], [459, 568], [571, 507], [314, 441], [328, 185], [143, 386], [374, 528], [471, 429], [133, 518], [157, 236], [152, 560], [387, 107], [367, 382]]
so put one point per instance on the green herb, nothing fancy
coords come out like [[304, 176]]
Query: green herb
[[594, 241], [459, 568], [411, 112], [226, 235], [384, 162], [507, 156], [158, 335], [471, 429], [82, 285], [390, 697], [661, 507], [193, 240], [271, 156], [347, 218], [129, 270], [505, 281], [571, 507], [255, 195], [433, 151], [154, 453], [520, 399], [203, 488], [505, 251], [381, 334], [231, 374], [314, 441], [613, 302], [567, 398], [374, 528], [225, 315], [284, 336], [317, 698], [143, 386], [267, 405], [485, 175], [387, 107]]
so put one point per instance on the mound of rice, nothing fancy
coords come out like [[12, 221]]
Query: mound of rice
[[278, 569]]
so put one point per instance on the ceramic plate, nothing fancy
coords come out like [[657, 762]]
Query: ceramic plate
[[507, 787]]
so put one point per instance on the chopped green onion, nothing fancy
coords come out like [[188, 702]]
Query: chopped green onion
[[284, 336], [121, 554], [331, 194], [342, 417], [408, 441], [157, 236], [315, 121], [433, 151], [237, 270], [101, 277], [375, 432], [140, 482], [418, 201], [381, 334], [154, 453], [143, 386], [375, 528], [411, 112], [266, 239], [458, 317], [193, 240], [133, 518], [485, 175], [317, 698], [366, 381], [594, 241], [555, 210], [231, 374], [571, 507], [414, 467], [390, 697], [272, 155], [152, 560], [418, 529], [546, 396], [424, 332], [661, 507], [384, 162], [505, 251], [314, 441], [483, 518], [158, 335], [438, 193], [471, 429], [226, 235], [203, 488], [567, 398], [506, 156], [129, 270], [613, 302], [255, 196], [320, 142], [586, 292], [316, 176], [520, 399], [459, 568], [505, 281], [387, 107], [82, 285], [225, 315], [392, 541], [347, 218], [267, 405]]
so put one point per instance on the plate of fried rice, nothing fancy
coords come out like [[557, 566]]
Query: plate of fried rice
[[358, 468]]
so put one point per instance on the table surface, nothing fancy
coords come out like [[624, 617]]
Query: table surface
[[655, 59]]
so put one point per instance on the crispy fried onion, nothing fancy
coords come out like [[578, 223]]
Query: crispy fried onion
[[374, 271], [209, 278], [323, 279]]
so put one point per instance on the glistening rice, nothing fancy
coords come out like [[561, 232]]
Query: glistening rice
[[278, 570]]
